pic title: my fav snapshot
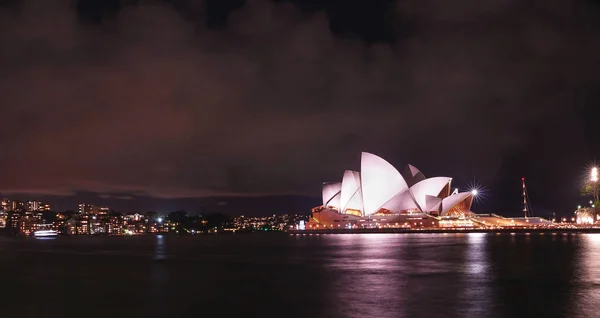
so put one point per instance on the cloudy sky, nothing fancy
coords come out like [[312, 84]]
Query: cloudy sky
[[168, 104]]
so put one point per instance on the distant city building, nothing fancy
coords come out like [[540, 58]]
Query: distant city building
[[100, 210], [263, 223], [29, 223], [17, 206], [3, 219], [85, 209], [35, 206], [133, 217]]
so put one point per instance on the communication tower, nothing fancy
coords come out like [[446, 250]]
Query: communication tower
[[526, 206]]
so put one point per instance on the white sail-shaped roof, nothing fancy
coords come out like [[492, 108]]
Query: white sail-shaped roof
[[451, 201], [330, 190], [335, 201], [432, 203], [431, 186], [413, 170], [380, 182], [355, 203], [412, 175], [401, 202], [350, 185]]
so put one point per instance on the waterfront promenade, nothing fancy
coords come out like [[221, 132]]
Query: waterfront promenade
[[573, 230]]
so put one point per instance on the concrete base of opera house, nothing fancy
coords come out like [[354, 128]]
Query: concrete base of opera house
[[329, 219], [522, 230]]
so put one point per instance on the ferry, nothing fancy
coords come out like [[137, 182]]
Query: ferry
[[45, 233]]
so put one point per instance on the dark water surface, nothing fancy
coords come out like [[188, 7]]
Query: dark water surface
[[363, 275]]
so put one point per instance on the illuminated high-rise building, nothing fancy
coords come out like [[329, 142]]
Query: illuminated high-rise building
[[37, 206], [33, 206], [85, 208], [100, 210], [93, 209], [17, 206], [3, 219]]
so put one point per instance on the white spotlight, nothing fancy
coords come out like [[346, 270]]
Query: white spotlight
[[474, 192]]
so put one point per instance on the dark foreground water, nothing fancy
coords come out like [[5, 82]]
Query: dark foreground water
[[365, 275]]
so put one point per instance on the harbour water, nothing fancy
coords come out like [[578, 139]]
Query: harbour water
[[279, 275]]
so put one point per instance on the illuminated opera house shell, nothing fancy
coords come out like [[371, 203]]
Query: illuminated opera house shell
[[380, 189]]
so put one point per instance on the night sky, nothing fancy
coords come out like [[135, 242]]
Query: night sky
[[246, 107]]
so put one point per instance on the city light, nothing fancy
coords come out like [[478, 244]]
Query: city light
[[45, 233], [594, 174], [302, 225], [477, 190], [96, 220]]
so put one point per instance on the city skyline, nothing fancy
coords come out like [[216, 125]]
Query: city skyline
[[34, 218], [184, 104], [258, 158], [252, 206]]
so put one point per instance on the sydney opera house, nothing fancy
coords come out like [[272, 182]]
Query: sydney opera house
[[380, 196]]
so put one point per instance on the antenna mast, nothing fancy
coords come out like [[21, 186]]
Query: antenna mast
[[526, 206]]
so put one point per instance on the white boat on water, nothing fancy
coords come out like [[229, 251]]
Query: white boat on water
[[45, 233]]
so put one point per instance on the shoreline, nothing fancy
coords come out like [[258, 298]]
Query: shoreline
[[451, 231]]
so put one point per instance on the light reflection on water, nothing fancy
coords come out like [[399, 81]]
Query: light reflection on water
[[365, 274], [587, 296], [464, 275], [390, 275], [361, 275], [476, 294]]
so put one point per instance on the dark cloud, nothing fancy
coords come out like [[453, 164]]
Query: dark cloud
[[193, 98], [96, 11], [115, 196]]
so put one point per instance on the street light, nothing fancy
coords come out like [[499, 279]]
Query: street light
[[474, 192], [594, 174]]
